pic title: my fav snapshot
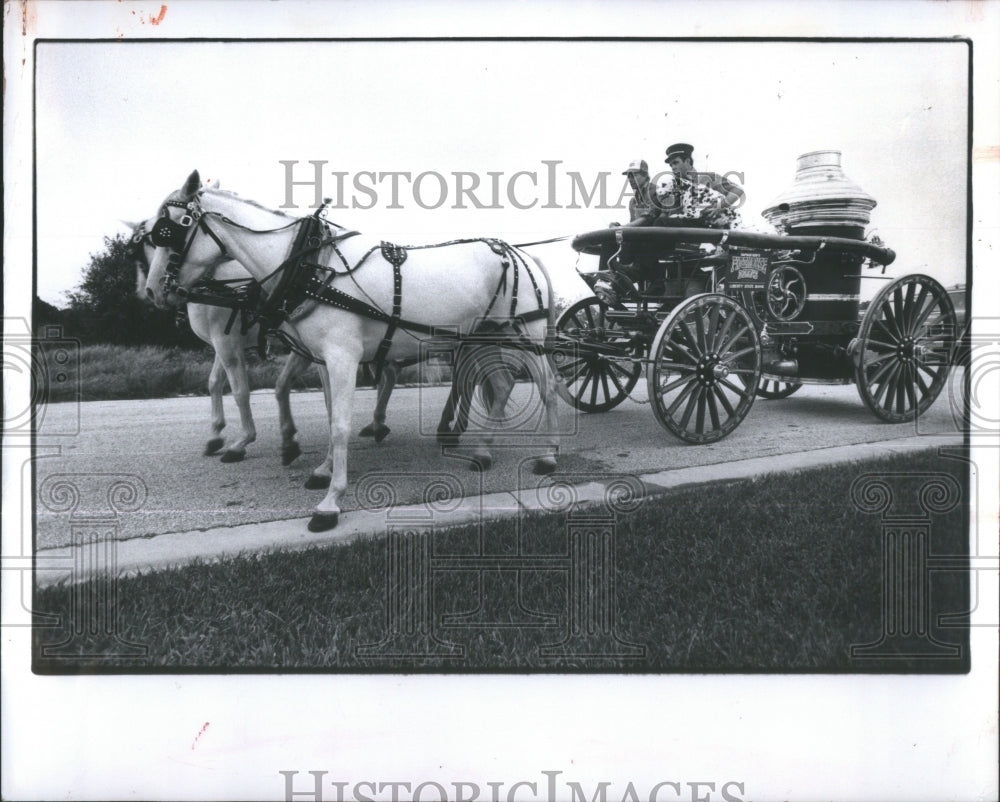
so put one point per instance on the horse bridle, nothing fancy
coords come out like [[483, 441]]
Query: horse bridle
[[174, 235]]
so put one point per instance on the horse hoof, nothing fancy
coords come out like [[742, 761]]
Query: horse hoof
[[315, 482], [544, 466], [481, 463], [212, 446], [290, 453], [233, 456], [375, 430], [323, 521]]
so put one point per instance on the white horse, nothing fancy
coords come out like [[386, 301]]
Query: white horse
[[445, 291], [216, 326]]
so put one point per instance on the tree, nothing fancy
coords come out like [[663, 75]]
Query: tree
[[105, 307]]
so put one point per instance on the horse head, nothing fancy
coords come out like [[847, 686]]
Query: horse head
[[139, 250], [185, 250]]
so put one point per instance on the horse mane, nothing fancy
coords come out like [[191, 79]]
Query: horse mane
[[249, 202]]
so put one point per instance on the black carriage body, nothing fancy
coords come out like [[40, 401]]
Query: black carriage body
[[705, 310], [806, 305], [806, 333]]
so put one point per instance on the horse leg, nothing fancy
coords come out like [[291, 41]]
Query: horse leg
[[294, 366], [342, 368], [234, 361], [216, 386], [445, 435], [546, 382], [491, 372], [319, 479], [386, 384]]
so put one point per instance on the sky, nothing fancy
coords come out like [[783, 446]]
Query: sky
[[120, 124]]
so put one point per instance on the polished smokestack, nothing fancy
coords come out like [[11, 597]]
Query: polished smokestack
[[822, 200]]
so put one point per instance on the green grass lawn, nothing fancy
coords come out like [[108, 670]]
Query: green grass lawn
[[783, 574]]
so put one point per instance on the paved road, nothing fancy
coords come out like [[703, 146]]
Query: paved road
[[159, 444]]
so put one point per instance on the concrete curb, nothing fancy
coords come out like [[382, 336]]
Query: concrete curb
[[72, 564]]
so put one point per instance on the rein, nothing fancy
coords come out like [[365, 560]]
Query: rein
[[300, 279]]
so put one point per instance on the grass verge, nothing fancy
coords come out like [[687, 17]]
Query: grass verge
[[781, 574], [114, 372]]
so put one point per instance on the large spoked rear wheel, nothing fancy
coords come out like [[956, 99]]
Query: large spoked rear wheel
[[904, 348], [705, 368], [596, 359], [774, 389]]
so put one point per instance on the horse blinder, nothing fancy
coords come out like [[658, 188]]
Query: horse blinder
[[171, 234]]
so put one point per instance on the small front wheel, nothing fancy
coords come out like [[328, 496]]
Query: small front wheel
[[705, 365], [595, 358]]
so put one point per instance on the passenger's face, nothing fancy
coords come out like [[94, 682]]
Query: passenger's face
[[679, 165], [638, 180]]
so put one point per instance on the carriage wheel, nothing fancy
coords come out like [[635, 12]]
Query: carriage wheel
[[705, 368], [902, 354], [595, 358], [773, 389]]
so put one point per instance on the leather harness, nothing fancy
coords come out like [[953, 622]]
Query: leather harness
[[299, 280]]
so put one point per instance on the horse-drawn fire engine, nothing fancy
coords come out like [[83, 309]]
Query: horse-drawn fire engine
[[741, 314]]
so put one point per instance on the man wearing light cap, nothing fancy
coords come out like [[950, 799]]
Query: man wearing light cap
[[680, 159], [642, 204]]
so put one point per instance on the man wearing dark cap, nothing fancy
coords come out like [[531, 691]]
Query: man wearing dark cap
[[680, 159]]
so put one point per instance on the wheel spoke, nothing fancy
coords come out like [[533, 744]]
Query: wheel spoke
[[901, 390], [614, 378], [873, 380], [926, 313], [681, 397], [888, 386], [580, 367], [699, 325], [885, 330], [908, 384], [924, 389], [869, 343], [604, 385], [666, 388], [918, 304], [713, 409], [682, 349], [587, 379], [737, 354], [724, 347], [890, 321], [692, 403], [685, 329], [879, 359], [932, 373], [897, 309], [713, 327], [906, 307], [700, 420], [720, 339], [725, 402], [678, 366], [744, 394]]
